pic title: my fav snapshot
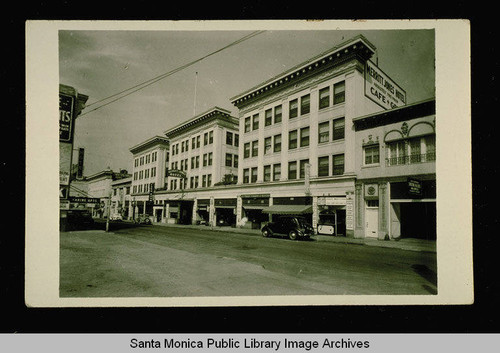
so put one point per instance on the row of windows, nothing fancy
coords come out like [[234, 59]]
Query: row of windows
[[149, 158], [252, 122], [414, 150], [144, 174], [296, 169], [297, 138], [206, 181], [208, 138], [231, 160], [125, 189], [138, 189], [195, 162]]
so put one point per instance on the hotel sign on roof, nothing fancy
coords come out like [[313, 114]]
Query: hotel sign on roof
[[381, 89]]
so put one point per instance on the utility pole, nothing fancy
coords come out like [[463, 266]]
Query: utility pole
[[195, 85], [108, 212]]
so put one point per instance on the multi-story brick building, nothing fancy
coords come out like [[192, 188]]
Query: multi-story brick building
[[149, 173], [203, 154], [297, 143]]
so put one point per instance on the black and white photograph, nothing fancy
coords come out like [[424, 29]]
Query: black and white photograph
[[253, 163]]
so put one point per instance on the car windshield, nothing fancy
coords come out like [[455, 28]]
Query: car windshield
[[302, 222]]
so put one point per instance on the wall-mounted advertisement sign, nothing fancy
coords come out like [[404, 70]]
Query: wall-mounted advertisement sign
[[66, 104], [381, 89], [414, 187], [176, 173], [65, 152]]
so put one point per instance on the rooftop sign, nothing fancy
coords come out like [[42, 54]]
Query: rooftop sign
[[381, 89]]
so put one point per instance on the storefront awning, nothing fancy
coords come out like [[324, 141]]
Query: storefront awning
[[288, 209]]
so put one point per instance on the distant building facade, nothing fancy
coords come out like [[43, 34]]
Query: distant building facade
[[148, 174]]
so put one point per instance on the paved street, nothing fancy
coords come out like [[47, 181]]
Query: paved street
[[157, 261]]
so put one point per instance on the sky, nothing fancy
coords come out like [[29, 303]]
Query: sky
[[100, 63]]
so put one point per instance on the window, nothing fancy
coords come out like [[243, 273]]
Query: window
[[146, 187], [134, 189], [114, 192], [142, 159], [211, 137], [198, 138], [135, 175], [192, 163], [277, 143], [303, 166], [255, 122], [323, 166], [205, 159], [255, 148], [430, 147], [148, 158], [324, 97], [338, 164], [246, 176], [197, 161], [293, 109], [146, 174], [323, 132], [338, 131], [235, 161], [229, 138], [229, 160], [276, 172], [236, 140], [210, 154], [136, 162], [196, 182], [372, 155], [182, 149], [268, 117], [186, 163], [205, 139], [304, 137], [187, 145], [397, 153], [153, 171], [371, 203], [305, 104], [246, 150], [191, 183], [204, 181], [254, 175], [127, 190], [193, 143], [292, 139], [247, 124], [278, 114], [339, 92], [267, 145], [209, 180], [267, 173], [292, 170]]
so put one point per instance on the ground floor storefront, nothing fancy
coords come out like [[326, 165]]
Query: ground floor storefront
[[396, 208], [327, 205]]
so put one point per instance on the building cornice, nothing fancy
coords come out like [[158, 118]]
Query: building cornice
[[357, 47], [201, 119], [155, 140]]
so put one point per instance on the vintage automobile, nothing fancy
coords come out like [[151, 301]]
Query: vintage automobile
[[292, 226], [142, 219]]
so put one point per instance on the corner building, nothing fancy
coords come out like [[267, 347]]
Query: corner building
[[297, 140]]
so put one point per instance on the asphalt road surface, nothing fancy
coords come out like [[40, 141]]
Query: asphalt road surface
[[156, 261]]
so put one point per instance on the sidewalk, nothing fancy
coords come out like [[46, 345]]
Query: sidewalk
[[403, 244]]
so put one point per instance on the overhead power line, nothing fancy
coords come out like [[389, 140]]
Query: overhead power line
[[131, 90]]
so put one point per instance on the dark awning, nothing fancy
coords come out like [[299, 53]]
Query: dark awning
[[288, 209]]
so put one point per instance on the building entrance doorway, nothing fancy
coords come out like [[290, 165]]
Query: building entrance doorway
[[371, 222], [418, 220]]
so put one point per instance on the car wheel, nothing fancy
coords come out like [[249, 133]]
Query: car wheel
[[265, 233], [292, 235]]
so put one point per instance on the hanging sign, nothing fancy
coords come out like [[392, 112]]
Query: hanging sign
[[66, 103]]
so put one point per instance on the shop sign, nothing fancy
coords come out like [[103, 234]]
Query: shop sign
[[63, 192], [331, 201], [371, 191], [326, 229], [176, 173], [65, 154], [66, 104], [381, 89], [349, 214], [202, 207], [84, 199], [414, 187]]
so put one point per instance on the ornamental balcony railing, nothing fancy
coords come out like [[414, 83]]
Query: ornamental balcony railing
[[411, 159]]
